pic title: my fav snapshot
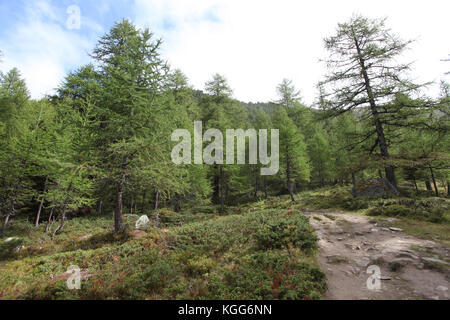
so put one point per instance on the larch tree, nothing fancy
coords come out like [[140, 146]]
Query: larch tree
[[294, 165], [16, 144], [365, 76], [131, 129], [220, 111], [289, 96]]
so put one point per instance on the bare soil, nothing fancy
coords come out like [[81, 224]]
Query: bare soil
[[411, 268]]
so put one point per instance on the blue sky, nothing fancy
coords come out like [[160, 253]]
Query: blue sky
[[254, 43]]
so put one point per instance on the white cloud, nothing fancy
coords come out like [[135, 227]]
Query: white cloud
[[254, 43], [43, 49], [258, 43]]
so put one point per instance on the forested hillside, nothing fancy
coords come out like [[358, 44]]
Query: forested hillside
[[80, 167]]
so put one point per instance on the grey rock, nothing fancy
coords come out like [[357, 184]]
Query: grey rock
[[442, 288], [376, 257], [355, 270], [396, 229], [337, 230], [362, 262], [335, 259], [406, 254], [429, 245], [375, 187], [401, 261], [435, 260]]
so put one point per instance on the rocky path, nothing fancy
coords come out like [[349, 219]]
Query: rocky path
[[350, 247]]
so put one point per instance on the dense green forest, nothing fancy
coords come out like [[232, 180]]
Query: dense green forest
[[100, 149]]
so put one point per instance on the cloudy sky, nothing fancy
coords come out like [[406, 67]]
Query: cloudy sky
[[255, 44]]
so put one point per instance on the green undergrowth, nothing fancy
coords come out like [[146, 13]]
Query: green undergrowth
[[252, 252], [422, 206], [418, 213]]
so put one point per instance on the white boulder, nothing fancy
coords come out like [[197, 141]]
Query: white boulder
[[142, 222]]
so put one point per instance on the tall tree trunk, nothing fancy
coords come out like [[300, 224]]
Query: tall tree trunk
[[291, 187], [63, 218], [353, 179], [41, 204], [415, 184], [288, 175], [434, 182], [38, 214], [156, 200], [428, 185], [321, 178], [144, 195], [132, 205], [99, 207], [118, 220], [265, 187], [289, 184], [157, 219], [63, 215], [389, 170], [216, 186], [448, 188], [255, 194], [222, 204], [8, 215], [47, 227]]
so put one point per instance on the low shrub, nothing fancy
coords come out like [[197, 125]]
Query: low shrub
[[269, 275], [280, 234], [431, 210], [390, 211], [342, 200]]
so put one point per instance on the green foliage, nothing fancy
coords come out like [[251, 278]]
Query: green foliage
[[270, 275], [285, 234], [391, 211], [339, 199], [104, 141], [213, 258], [432, 210], [293, 157]]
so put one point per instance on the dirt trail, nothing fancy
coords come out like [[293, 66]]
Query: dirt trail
[[411, 268]]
